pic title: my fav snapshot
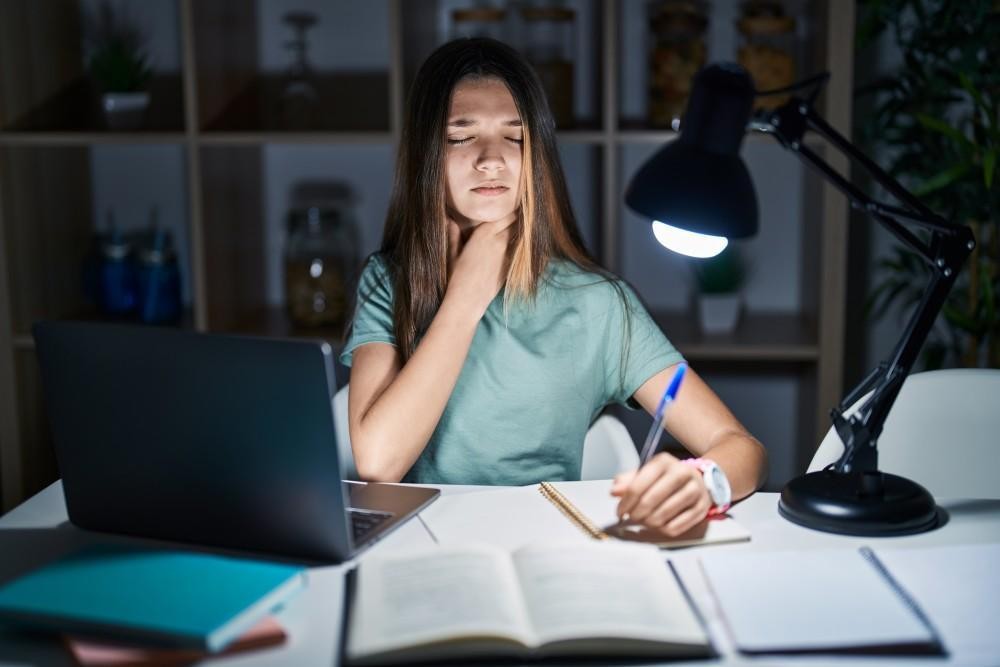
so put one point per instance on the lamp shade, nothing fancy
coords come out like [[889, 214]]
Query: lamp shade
[[698, 182]]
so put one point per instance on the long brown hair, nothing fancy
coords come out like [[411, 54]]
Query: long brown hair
[[415, 242]]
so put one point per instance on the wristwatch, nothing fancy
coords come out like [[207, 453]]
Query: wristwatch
[[716, 483]]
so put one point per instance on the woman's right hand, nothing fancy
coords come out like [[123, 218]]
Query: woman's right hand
[[477, 267]]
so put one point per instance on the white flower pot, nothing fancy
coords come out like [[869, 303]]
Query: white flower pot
[[125, 111], [719, 313]]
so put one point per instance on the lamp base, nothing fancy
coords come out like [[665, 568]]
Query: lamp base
[[876, 504]]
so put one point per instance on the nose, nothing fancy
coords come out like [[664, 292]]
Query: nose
[[490, 157]]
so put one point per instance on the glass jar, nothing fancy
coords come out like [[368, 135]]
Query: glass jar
[[549, 42], [677, 28], [767, 49], [321, 260], [478, 22]]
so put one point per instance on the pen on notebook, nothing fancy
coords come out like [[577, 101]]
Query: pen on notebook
[[653, 438]]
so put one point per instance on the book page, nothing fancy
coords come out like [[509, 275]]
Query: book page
[[604, 589], [433, 594]]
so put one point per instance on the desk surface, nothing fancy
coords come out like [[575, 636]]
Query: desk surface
[[39, 530]]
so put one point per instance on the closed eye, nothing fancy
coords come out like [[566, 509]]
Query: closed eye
[[465, 140]]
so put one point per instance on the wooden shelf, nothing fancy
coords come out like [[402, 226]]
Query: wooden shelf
[[346, 102], [759, 337], [311, 137], [647, 136], [274, 321], [84, 138], [76, 108]]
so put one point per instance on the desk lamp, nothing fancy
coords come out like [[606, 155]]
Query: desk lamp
[[698, 193]]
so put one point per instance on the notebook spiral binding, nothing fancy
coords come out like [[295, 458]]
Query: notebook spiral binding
[[572, 513]]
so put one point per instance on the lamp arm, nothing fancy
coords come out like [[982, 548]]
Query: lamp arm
[[949, 246]]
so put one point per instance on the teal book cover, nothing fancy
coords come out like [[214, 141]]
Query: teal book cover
[[167, 598]]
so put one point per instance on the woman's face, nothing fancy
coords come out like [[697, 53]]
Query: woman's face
[[483, 153]]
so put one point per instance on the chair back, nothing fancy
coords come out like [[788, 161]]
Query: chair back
[[608, 450], [343, 430], [943, 432]]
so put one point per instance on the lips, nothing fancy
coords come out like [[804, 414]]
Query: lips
[[491, 190]]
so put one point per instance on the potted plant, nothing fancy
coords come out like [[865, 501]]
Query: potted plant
[[937, 121], [718, 281], [119, 66]]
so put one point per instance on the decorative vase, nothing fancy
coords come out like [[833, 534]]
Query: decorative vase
[[125, 111], [719, 313]]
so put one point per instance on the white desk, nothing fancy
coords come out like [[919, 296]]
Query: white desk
[[39, 530]]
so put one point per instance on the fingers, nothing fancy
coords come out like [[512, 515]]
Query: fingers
[[689, 494], [622, 481], [644, 478], [454, 243], [687, 519], [663, 495]]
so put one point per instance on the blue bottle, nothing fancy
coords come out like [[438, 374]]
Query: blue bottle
[[116, 275], [158, 281]]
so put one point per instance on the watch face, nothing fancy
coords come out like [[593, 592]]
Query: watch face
[[718, 486]]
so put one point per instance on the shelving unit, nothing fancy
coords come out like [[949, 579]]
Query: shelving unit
[[219, 111]]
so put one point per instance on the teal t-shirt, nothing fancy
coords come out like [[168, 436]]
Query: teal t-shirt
[[533, 382]]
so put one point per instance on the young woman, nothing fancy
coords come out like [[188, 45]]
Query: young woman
[[486, 340]]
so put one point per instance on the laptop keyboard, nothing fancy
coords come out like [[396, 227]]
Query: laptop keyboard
[[364, 522]]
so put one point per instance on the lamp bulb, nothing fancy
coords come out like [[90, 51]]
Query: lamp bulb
[[688, 243]]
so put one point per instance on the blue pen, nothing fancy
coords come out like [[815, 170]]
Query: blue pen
[[649, 447]]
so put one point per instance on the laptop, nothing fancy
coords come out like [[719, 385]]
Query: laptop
[[217, 440]]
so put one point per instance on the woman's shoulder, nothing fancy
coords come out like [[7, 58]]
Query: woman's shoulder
[[572, 280], [375, 278]]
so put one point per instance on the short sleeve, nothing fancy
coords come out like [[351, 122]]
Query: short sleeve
[[373, 313], [636, 348]]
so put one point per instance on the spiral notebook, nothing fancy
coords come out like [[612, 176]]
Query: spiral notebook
[[826, 601], [553, 512], [592, 510]]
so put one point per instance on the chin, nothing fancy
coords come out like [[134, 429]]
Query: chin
[[488, 213]]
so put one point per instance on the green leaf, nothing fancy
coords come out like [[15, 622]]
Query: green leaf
[[942, 179], [989, 163], [938, 125], [960, 319], [989, 296], [971, 89]]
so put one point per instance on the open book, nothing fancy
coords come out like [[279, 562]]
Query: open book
[[468, 601]]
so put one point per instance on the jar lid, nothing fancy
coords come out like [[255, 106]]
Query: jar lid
[[766, 25], [547, 14], [680, 8], [155, 256], [765, 17], [485, 14], [679, 16], [116, 250]]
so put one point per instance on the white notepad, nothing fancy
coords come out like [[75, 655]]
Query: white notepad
[[842, 600], [959, 588]]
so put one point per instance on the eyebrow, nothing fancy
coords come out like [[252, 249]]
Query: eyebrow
[[468, 122]]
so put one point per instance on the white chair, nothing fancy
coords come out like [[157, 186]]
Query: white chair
[[343, 431], [943, 432], [607, 449]]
